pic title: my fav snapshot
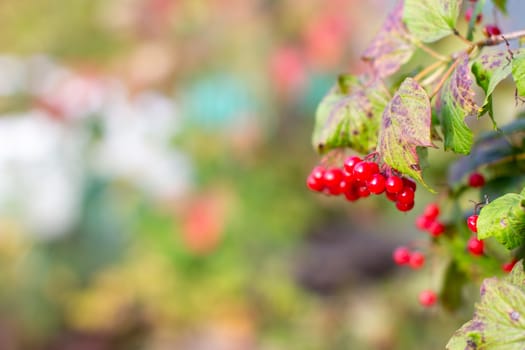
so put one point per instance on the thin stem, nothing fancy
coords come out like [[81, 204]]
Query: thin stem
[[431, 52], [462, 38], [444, 78], [498, 39], [428, 70]]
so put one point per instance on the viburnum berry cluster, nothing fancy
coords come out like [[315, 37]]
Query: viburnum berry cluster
[[428, 221], [359, 178]]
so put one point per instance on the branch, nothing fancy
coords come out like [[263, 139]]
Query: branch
[[444, 78], [498, 39]]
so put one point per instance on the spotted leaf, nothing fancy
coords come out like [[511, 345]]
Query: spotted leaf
[[406, 125], [391, 47], [431, 20]]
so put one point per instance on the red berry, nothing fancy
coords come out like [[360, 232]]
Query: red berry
[[391, 196], [431, 211], [423, 222], [406, 195], [417, 260], [436, 228], [409, 183], [507, 267], [340, 188], [332, 177], [476, 180], [363, 191], [401, 255], [314, 184], [468, 15], [475, 246], [491, 30], [394, 184], [348, 177], [472, 223], [401, 206], [363, 171], [318, 173], [350, 162], [351, 193], [376, 184], [427, 298]]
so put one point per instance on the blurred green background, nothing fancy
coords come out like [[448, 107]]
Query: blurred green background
[[153, 156]]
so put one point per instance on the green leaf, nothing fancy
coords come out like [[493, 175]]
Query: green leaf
[[405, 126], [490, 69], [504, 219], [499, 319], [518, 73], [456, 103], [431, 20], [349, 115], [501, 5], [391, 47]]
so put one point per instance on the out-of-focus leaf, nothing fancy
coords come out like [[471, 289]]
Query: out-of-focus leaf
[[478, 9], [489, 148], [391, 47], [456, 103], [431, 20], [498, 322], [349, 116], [504, 219], [451, 291], [501, 5], [518, 73], [406, 126]]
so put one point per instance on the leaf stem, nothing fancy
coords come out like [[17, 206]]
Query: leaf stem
[[498, 39], [428, 70], [444, 78], [462, 38], [431, 52]]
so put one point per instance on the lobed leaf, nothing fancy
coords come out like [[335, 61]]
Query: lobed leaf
[[456, 103], [518, 73], [391, 47], [489, 70], [504, 219], [431, 20], [499, 319], [349, 116], [406, 125]]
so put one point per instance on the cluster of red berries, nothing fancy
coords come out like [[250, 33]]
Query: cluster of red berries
[[428, 221], [359, 178], [403, 256]]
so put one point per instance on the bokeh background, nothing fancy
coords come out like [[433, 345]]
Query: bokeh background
[[153, 156]]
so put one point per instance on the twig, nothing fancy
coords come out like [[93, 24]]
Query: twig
[[428, 70], [444, 78], [431, 52], [461, 37]]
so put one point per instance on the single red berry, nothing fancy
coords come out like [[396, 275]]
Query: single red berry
[[475, 246], [431, 211], [424, 222], [348, 177], [351, 194], [332, 177], [508, 266], [427, 298], [363, 171], [394, 184], [350, 162], [340, 188], [402, 206], [376, 184], [406, 195], [491, 30], [436, 228], [472, 223], [476, 180], [409, 183], [401, 255], [314, 184], [391, 196], [363, 191], [417, 260], [468, 15], [318, 173]]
